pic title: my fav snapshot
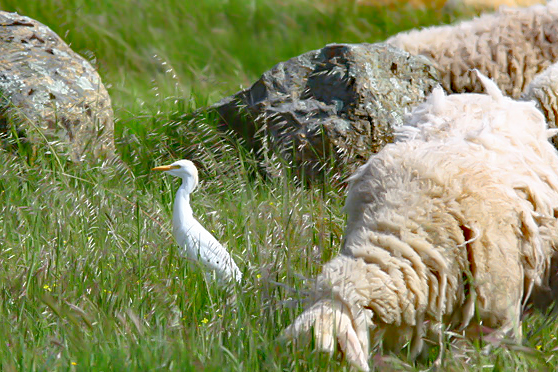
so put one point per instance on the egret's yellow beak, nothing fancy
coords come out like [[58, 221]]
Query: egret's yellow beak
[[165, 167]]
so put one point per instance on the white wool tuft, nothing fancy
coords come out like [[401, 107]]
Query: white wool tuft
[[490, 87], [454, 223]]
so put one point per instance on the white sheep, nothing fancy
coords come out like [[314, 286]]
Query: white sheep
[[451, 4], [487, 4], [452, 226], [510, 46], [543, 89]]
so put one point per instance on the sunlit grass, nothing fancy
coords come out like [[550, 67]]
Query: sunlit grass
[[90, 277], [90, 273], [207, 49]]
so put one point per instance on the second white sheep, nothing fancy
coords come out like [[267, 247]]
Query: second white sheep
[[510, 46]]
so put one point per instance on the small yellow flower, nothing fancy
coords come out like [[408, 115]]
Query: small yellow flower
[[220, 315], [47, 287], [539, 347], [258, 276], [205, 320], [74, 363], [271, 203]]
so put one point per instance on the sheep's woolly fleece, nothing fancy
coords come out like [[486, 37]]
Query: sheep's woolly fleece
[[543, 89], [510, 46], [454, 224], [452, 4], [485, 4]]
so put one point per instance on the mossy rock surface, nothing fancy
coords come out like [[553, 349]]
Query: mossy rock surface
[[51, 93], [336, 105]]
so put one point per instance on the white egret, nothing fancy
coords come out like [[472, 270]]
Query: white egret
[[194, 240]]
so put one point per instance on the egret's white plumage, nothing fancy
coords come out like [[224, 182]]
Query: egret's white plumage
[[194, 240]]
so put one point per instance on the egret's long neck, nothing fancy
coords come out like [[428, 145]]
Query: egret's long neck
[[182, 213]]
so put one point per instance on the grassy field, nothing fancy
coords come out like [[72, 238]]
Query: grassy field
[[90, 278]]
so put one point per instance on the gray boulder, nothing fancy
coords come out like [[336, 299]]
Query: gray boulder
[[51, 93], [329, 107]]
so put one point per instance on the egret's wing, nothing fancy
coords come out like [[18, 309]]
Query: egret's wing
[[202, 246]]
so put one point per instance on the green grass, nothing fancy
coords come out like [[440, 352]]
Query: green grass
[[90, 278], [210, 48]]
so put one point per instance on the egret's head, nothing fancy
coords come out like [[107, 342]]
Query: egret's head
[[184, 169]]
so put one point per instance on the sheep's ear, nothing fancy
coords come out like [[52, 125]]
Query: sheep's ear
[[490, 87]]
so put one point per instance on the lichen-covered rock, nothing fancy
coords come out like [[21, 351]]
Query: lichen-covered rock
[[338, 103], [49, 90]]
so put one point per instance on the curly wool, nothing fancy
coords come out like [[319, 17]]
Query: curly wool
[[486, 4], [543, 89], [510, 46], [454, 223]]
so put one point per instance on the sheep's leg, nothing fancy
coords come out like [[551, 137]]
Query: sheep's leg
[[331, 321]]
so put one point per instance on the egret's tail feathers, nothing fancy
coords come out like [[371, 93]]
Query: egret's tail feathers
[[234, 273], [225, 267], [213, 256], [331, 322]]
